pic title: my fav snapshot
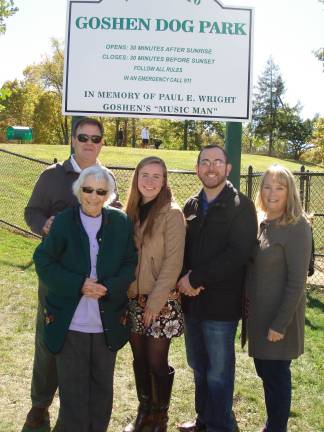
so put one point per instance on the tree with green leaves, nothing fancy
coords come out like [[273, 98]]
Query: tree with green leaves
[[267, 103], [295, 131], [318, 139], [47, 126], [7, 9], [18, 106], [48, 75], [4, 94]]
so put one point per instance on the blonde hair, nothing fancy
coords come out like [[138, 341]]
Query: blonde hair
[[134, 195], [294, 210]]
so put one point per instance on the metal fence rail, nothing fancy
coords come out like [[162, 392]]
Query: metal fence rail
[[18, 175]]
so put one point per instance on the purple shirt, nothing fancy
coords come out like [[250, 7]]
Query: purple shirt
[[86, 318]]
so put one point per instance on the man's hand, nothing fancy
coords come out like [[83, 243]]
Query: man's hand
[[274, 336], [93, 289], [185, 287], [47, 225]]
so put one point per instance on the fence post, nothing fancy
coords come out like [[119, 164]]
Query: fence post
[[307, 193], [302, 186], [249, 181]]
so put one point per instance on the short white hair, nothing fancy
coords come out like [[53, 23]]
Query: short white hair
[[99, 172]]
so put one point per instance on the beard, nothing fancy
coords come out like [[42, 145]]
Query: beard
[[212, 182]]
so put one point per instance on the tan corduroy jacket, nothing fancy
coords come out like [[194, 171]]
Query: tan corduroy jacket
[[160, 257]]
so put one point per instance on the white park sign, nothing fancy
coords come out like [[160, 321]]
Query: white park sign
[[175, 59]]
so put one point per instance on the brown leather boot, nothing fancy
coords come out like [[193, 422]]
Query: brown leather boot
[[161, 394], [143, 389], [36, 418]]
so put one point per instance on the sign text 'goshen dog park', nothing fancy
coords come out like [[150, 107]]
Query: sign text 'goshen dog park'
[[175, 59]]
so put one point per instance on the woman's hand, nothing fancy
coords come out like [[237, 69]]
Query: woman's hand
[[274, 336], [149, 317], [93, 289]]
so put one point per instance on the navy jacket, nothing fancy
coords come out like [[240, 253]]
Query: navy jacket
[[218, 248]]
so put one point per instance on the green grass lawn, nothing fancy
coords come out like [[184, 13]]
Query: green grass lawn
[[127, 156], [18, 298]]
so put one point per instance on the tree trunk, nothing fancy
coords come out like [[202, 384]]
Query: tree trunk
[[133, 139], [116, 131], [125, 137], [65, 131], [185, 135], [270, 142]]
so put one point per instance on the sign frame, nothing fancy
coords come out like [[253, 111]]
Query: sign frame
[[72, 75]]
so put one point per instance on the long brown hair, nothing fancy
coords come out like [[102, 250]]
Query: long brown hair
[[134, 196]]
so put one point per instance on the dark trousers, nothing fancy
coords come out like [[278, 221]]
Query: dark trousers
[[276, 378], [44, 379], [85, 368]]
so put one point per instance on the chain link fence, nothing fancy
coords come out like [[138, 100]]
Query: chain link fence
[[18, 175]]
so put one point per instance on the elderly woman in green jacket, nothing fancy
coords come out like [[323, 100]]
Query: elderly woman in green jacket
[[87, 262]]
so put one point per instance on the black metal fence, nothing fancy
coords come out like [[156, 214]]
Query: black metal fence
[[18, 175]]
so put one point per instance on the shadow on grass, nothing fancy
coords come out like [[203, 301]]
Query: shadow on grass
[[18, 266], [314, 303], [310, 325]]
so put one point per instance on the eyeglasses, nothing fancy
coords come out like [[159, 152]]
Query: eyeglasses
[[206, 163], [95, 139], [89, 190]]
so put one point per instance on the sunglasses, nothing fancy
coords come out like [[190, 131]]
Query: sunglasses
[[89, 190], [95, 139]]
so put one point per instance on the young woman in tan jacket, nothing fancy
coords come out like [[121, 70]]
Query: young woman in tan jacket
[[154, 303]]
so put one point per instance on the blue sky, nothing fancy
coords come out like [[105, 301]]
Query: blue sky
[[287, 30]]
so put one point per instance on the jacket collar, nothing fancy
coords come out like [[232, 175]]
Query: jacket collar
[[165, 208], [105, 215], [140, 228], [68, 167], [228, 191]]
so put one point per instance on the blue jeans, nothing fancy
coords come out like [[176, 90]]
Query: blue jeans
[[276, 378], [211, 355]]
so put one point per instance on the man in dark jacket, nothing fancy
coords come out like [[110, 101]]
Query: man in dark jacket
[[221, 233], [51, 195]]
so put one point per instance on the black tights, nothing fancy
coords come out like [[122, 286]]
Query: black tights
[[151, 352]]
